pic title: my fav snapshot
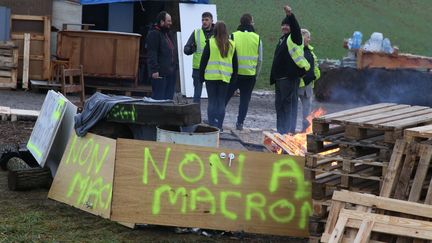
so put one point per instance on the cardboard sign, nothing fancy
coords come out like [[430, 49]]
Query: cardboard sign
[[46, 126], [190, 186], [85, 175]]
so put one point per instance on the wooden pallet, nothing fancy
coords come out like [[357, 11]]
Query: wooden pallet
[[388, 119], [418, 133], [8, 65], [353, 217], [409, 175], [330, 173]]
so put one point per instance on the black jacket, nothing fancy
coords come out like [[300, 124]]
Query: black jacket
[[283, 65], [206, 56], [310, 75], [162, 52], [190, 47]]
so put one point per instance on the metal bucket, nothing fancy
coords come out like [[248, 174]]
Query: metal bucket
[[201, 135]]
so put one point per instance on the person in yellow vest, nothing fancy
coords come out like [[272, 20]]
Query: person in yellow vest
[[289, 65], [218, 64], [195, 45], [249, 55], [305, 91]]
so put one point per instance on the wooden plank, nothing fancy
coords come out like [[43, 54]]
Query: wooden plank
[[385, 115], [85, 175], [331, 116], [47, 47], [381, 111], [428, 199], [403, 181], [26, 17], [364, 232], [6, 59], [334, 211], [390, 224], [4, 112], [420, 175], [206, 192], [338, 231], [26, 61], [392, 61], [7, 74], [393, 169], [422, 132], [397, 117], [33, 36], [407, 122], [15, 113], [388, 204]]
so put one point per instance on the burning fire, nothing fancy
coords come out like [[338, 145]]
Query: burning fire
[[297, 143]]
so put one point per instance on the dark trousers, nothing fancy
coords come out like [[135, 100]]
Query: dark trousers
[[245, 84], [163, 88], [197, 86], [216, 91], [286, 103]]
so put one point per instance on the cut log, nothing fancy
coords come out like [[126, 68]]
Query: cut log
[[31, 178]]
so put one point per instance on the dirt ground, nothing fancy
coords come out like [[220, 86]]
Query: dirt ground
[[29, 216]]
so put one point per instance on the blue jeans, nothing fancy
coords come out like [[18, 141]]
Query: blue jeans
[[245, 84], [286, 103], [163, 88], [197, 86], [216, 91]]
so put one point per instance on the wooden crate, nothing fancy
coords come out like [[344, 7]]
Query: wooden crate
[[387, 119], [39, 28], [103, 54]]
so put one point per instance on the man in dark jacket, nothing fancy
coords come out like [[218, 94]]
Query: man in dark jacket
[[162, 58], [289, 65], [195, 45]]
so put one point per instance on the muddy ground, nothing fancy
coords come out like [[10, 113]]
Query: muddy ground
[[30, 216]]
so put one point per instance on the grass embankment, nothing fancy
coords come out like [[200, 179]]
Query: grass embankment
[[406, 23]]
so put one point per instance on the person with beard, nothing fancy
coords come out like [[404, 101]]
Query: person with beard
[[289, 65], [249, 55], [162, 58], [305, 91], [218, 64], [195, 45]]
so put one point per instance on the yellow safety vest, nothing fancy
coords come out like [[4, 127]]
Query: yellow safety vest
[[297, 54], [247, 44], [317, 71], [218, 67], [200, 44]]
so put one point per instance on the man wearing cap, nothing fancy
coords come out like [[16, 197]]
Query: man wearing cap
[[289, 65]]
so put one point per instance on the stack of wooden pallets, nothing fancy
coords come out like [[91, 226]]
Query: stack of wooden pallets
[[356, 217], [8, 65], [365, 138]]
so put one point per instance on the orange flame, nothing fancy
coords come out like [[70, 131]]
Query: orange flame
[[297, 142]]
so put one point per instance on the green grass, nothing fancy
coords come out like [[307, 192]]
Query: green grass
[[406, 23]]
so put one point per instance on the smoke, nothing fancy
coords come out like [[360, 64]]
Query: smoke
[[376, 85]]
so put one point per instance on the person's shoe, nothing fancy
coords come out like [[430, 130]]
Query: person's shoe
[[239, 126]]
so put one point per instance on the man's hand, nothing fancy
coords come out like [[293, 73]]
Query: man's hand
[[287, 10], [155, 75]]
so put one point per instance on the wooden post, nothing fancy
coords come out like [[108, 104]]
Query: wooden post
[[26, 61]]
